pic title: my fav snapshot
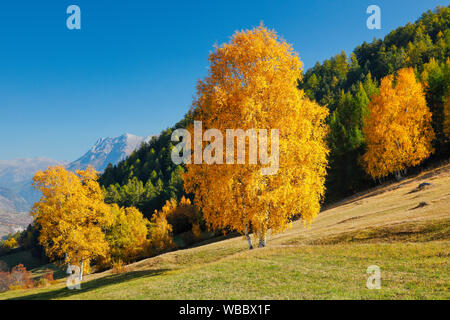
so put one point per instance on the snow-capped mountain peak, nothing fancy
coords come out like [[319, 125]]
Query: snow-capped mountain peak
[[108, 150]]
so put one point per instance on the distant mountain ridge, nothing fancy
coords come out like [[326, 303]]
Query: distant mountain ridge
[[11, 202], [108, 150], [14, 172], [17, 194]]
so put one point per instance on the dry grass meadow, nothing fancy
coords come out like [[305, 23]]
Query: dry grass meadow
[[403, 230]]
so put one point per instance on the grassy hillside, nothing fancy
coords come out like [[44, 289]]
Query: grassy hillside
[[400, 228]]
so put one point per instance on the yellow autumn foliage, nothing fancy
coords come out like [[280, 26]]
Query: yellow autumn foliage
[[161, 231], [127, 236], [10, 243], [71, 214], [252, 84], [398, 127]]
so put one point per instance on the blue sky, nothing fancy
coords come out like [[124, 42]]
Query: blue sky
[[134, 65]]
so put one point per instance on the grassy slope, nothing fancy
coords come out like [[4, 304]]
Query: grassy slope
[[33, 264], [327, 260]]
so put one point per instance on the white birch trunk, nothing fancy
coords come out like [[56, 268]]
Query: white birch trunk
[[249, 240], [262, 238], [81, 270], [262, 242]]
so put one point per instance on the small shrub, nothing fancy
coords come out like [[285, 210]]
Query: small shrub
[[5, 281], [21, 278], [118, 267], [43, 282], [11, 243], [48, 275]]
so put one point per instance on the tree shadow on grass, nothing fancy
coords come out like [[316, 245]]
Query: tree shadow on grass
[[91, 285]]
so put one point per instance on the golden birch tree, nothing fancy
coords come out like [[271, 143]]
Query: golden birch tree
[[252, 85], [398, 127], [71, 214]]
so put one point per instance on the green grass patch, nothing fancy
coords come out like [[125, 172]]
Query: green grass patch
[[327, 260], [408, 271]]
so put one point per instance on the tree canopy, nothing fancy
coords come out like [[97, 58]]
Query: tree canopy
[[252, 85], [398, 126]]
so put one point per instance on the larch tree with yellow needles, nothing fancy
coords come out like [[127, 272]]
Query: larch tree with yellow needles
[[71, 214], [161, 238], [398, 127], [183, 216], [252, 84]]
